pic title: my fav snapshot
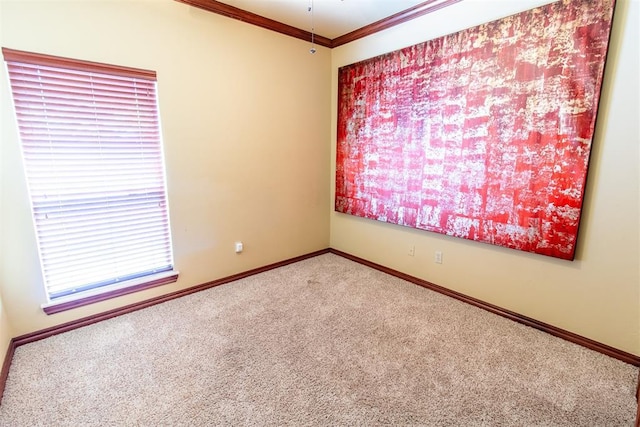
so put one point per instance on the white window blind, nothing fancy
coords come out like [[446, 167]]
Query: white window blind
[[92, 152]]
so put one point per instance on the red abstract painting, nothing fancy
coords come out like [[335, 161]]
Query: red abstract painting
[[484, 134]]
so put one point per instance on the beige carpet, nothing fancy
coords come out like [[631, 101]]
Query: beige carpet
[[322, 342]]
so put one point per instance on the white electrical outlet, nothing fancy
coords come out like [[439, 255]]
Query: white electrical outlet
[[438, 257], [239, 247], [412, 250]]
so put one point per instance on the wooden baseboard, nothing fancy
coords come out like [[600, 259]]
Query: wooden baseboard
[[558, 332], [85, 321], [550, 329], [4, 373]]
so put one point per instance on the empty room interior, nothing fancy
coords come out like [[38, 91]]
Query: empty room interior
[[250, 125]]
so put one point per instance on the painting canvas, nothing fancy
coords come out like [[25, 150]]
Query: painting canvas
[[484, 134]]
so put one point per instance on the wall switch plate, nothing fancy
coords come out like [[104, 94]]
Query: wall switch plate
[[412, 250], [438, 257], [239, 247]]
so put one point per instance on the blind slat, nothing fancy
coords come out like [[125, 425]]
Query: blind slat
[[93, 157]]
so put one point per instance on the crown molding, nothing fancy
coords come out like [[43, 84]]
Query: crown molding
[[393, 20], [270, 24], [255, 19]]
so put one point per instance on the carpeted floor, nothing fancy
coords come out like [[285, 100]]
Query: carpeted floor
[[324, 341]]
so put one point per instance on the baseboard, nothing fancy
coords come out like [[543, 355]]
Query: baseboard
[[550, 329], [85, 321], [4, 373]]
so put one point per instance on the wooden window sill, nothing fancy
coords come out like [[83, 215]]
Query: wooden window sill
[[109, 292]]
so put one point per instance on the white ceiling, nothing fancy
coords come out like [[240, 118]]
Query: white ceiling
[[331, 18]]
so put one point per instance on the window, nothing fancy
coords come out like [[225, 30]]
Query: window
[[92, 152]]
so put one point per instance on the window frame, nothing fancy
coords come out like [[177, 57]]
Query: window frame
[[129, 285]]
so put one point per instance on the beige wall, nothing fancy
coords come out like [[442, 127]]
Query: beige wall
[[6, 331], [245, 120], [247, 116], [598, 294]]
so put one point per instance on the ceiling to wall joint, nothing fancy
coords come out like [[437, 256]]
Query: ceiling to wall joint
[[233, 12]]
